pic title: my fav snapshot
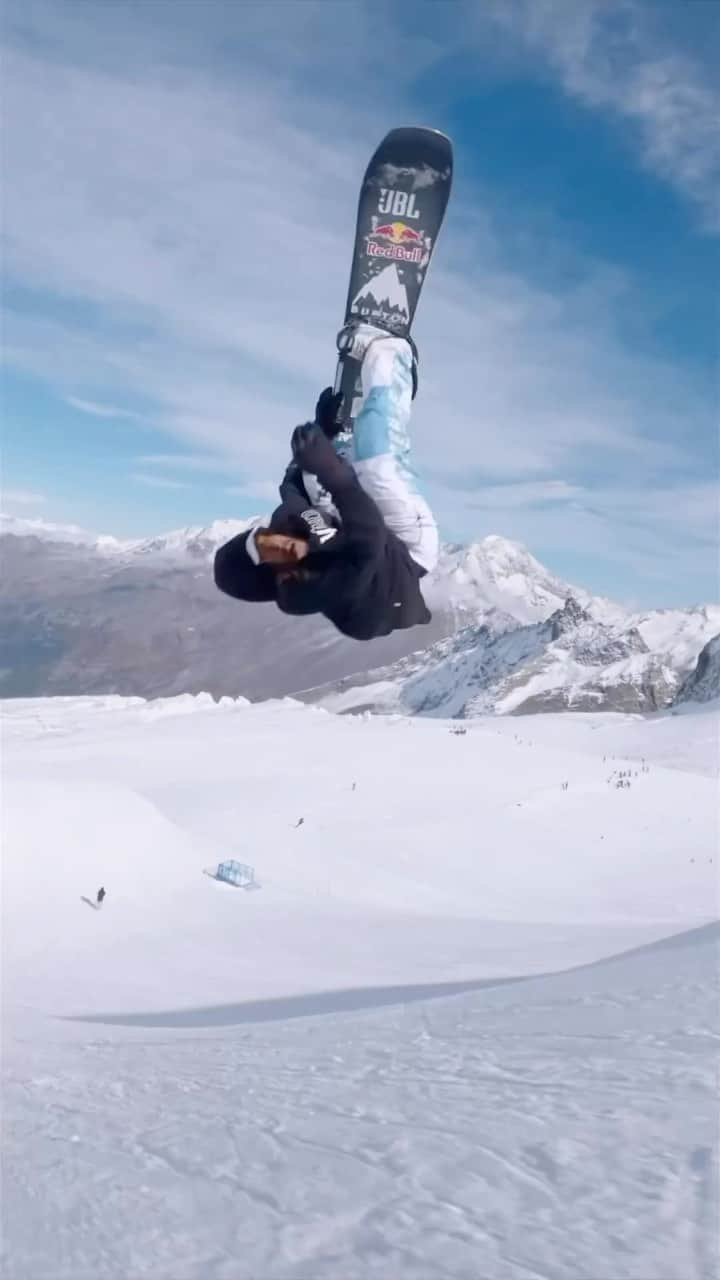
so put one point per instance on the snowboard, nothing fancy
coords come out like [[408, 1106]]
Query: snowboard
[[402, 204]]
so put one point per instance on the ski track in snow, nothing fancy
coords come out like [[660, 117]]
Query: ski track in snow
[[562, 1131], [559, 1127]]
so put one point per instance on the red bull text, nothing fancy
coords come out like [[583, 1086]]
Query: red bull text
[[398, 241]]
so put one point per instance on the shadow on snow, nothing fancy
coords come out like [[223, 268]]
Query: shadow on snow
[[281, 1008]]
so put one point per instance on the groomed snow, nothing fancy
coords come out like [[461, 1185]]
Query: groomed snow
[[204, 1083]]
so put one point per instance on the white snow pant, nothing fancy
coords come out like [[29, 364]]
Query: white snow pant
[[380, 453]]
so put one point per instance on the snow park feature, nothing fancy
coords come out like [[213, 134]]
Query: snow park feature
[[238, 874], [468, 1029]]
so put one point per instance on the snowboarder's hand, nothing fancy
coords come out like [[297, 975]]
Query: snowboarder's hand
[[292, 490], [327, 410], [312, 451]]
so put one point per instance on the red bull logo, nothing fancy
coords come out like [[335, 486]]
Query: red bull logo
[[398, 241]]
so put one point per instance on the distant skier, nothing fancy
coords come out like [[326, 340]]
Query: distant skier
[[357, 553], [100, 896]]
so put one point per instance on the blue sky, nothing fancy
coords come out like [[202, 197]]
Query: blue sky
[[181, 182]]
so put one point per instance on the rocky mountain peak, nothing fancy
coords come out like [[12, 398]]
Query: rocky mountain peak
[[703, 682]]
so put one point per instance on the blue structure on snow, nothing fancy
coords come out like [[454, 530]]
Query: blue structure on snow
[[237, 873]]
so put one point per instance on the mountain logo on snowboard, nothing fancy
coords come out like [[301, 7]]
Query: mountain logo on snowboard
[[383, 299]]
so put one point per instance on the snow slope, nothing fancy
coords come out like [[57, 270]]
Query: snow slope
[[209, 1084], [560, 1129], [440, 831]]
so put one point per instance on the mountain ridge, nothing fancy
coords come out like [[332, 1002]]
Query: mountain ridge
[[569, 661], [87, 613]]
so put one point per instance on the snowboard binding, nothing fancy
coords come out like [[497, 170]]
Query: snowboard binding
[[353, 342], [354, 339]]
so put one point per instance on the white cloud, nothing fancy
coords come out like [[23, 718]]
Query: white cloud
[[98, 410], [210, 463], [256, 490], [230, 253], [663, 535], [207, 266], [22, 498], [524, 494], [158, 482], [609, 55]]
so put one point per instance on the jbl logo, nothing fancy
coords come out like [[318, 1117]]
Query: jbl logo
[[400, 203]]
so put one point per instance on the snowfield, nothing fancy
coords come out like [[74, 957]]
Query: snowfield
[[466, 1026]]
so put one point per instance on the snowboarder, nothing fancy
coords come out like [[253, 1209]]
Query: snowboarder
[[357, 553], [100, 896]]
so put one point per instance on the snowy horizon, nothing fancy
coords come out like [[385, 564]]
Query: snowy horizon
[[225, 527]]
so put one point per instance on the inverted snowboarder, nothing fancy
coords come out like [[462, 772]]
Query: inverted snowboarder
[[352, 538]]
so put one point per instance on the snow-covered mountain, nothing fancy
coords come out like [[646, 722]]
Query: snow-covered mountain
[[199, 541], [89, 614], [470, 582], [83, 614], [703, 682], [498, 576], [574, 660]]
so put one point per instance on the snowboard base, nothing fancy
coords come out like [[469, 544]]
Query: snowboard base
[[402, 204]]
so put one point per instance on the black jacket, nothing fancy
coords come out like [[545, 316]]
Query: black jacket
[[363, 579]]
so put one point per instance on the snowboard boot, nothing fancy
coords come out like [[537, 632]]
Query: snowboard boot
[[354, 339], [353, 343]]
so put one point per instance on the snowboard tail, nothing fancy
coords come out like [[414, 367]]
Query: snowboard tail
[[402, 204]]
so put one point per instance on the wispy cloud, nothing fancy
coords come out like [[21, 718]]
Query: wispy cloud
[[22, 498], [99, 410], [610, 54], [257, 490], [158, 482], [530, 493], [208, 463], [658, 533], [220, 469], [213, 259], [237, 288]]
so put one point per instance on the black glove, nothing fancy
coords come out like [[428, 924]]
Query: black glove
[[292, 490], [313, 452], [327, 410]]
